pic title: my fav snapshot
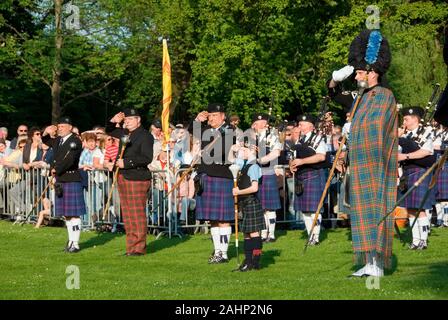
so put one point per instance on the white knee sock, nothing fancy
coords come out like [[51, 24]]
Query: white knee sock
[[224, 235], [439, 211], [76, 231], [428, 216], [272, 216], [316, 230], [68, 223], [415, 231], [308, 221], [216, 240], [264, 232], [424, 228]]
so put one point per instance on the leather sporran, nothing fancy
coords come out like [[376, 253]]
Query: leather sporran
[[298, 186], [403, 184], [198, 184], [59, 191]]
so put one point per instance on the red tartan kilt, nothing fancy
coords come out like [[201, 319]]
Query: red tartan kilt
[[133, 198]]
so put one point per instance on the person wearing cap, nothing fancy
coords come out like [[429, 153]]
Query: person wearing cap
[[69, 201], [416, 156], [268, 153], [133, 177], [309, 167], [156, 131], [214, 202], [373, 156]]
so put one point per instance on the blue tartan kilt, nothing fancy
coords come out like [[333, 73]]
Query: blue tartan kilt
[[268, 193], [71, 204], [313, 186], [216, 201], [413, 201], [442, 184]]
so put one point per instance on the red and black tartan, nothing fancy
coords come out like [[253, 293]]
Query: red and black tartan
[[133, 197]]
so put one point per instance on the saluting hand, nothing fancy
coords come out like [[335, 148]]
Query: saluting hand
[[118, 118], [202, 116]]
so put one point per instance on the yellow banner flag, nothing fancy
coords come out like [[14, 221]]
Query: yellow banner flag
[[166, 76]]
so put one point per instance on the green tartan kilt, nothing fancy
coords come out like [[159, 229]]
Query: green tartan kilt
[[253, 215]]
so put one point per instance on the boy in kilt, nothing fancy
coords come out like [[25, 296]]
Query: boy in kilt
[[214, 199], [133, 177], [268, 152], [309, 165], [416, 156], [253, 215], [69, 201], [373, 156]]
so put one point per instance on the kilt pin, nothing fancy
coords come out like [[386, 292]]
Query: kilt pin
[[133, 197]]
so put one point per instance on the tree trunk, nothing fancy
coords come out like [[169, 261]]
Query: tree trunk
[[57, 65]]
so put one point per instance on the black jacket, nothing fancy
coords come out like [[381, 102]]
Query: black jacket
[[220, 164], [66, 159], [138, 153]]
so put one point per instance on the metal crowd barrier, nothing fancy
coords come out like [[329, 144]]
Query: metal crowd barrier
[[173, 215]]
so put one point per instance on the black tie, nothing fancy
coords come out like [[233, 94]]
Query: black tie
[[61, 142]]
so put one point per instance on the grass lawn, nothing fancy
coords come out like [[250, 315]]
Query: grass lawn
[[33, 266]]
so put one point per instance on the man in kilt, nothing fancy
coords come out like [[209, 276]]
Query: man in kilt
[[372, 156], [69, 201], [269, 149], [253, 215], [416, 156], [214, 181], [440, 145], [309, 166], [133, 177]]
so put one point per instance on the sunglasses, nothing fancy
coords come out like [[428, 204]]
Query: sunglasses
[[23, 130]]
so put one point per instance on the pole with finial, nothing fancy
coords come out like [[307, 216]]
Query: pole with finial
[[235, 169]]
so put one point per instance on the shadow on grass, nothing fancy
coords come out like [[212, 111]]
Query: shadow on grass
[[434, 278], [101, 239], [165, 243], [268, 257]]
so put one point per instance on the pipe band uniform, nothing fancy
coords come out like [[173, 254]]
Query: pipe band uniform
[[372, 155], [253, 214], [69, 201], [416, 156], [269, 148], [310, 165], [215, 203], [136, 148]]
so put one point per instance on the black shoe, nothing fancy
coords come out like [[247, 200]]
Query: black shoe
[[265, 239], [245, 267], [413, 246], [217, 258], [422, 245], [271, 240], [67, 247], [73, 249]]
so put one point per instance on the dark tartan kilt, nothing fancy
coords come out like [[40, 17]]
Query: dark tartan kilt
[[313, 186], [414, 199], [442, 184], [71, 204], [253, 215], [216, 201], [268, 193]]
